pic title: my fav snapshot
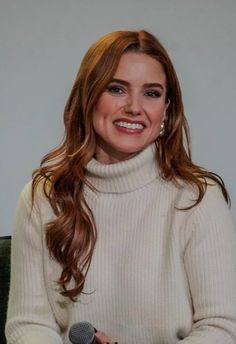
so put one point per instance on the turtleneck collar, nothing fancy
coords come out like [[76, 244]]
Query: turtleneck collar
[[124, 176]]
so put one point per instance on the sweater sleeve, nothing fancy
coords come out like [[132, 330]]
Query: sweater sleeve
[[210, 263], [30, 319]]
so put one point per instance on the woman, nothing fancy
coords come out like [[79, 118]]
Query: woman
[[125, 231]]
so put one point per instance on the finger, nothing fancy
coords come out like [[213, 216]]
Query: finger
[[102, 337]]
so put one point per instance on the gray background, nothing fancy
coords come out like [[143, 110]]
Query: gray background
[[41, 46]]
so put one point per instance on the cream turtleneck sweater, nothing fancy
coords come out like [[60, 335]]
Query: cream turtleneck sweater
[[158, 275]]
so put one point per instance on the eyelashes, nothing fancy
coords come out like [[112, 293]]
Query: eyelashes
[[153, 94], [119, 90], [115, 89]]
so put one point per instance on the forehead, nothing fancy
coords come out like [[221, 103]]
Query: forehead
[[140, 66]]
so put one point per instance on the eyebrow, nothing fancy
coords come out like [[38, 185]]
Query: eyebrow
[[126, 83]]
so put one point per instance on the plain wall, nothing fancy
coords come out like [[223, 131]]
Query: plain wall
[[41, 46]]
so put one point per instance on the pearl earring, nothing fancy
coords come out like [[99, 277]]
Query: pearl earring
[[162, 129]]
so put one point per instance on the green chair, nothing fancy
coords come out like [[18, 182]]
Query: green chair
[[5, 253]]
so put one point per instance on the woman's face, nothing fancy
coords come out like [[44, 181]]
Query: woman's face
[[129, 113]]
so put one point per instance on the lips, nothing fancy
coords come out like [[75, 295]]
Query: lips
[[128, 124]]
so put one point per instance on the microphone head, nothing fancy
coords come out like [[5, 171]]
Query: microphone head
[[82, 333]]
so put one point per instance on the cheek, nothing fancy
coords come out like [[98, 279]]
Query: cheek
[[103, 107], [101, 113], [156, 116], [97, 123], [98, 110], [108, 106]]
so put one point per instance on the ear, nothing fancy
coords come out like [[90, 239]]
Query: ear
[[166, 107], [167, 104]]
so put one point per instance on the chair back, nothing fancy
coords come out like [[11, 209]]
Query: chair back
[[5, 253]]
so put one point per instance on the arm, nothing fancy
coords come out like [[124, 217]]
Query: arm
[[30, 319], [210, 263]]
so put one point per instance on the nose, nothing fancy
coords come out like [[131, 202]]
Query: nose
[[133, 105]]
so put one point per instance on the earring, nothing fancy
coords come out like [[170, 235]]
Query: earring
[[162, 129]]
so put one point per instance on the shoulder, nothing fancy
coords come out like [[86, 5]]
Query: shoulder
[[189, 193], [212, 212]]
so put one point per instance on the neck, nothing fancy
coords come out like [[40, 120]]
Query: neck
[[124, 176], [107, 156]]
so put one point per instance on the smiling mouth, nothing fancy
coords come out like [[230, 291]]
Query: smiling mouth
[[128, 125]]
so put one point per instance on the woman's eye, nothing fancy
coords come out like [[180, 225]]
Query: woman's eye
[[115, 89], [153, 94]]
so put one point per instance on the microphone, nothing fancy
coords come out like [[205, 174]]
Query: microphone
[[83, 333]]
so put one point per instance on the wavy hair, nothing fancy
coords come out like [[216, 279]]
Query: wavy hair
[[71, 236]]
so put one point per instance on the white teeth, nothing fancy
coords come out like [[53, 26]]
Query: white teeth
[[129, 125]]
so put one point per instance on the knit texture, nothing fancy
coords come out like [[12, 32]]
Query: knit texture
[[159, 275]]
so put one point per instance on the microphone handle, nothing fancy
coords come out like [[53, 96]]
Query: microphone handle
[[95, 340]]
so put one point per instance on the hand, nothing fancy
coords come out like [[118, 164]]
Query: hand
[[103, 338]]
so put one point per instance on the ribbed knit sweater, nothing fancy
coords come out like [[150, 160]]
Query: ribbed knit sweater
[[158, 275]]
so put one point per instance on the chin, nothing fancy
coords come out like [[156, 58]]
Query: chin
[[130, 151]]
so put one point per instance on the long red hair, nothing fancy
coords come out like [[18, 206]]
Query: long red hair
[[71, 236]]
